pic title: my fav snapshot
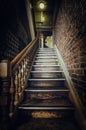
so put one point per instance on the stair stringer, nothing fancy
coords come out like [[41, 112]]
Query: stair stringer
[[74, 96]]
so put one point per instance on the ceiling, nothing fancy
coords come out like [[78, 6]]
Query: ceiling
[[44, 18]]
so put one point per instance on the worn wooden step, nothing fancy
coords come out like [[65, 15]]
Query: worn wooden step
[[47, 88], [46, 82], [46, 49], [47, 74], [45, 57], [45, 54], [46, 95], [46, 60], [46, 67], [46, 63], [57, 103]]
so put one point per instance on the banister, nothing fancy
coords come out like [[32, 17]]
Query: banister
[[20, 70], [13, 80], [21, 55]]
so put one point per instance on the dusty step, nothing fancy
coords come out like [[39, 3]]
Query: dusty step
[[46, 52], [51, 95], [47, 62], [45, 55], [47, 89], [46, 82], [46, 58], [45, 67], [46, 49], [46, 74], [57, 103]]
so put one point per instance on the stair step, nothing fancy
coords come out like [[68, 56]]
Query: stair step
[[46, 60], [58, 71], [49, 88], [46, 68], [45, 54], [47, 79], [46, 49], [46, 63], [45, 57], [45, 90], [47, 103], [47, 108], [46, 82], [46, 74]]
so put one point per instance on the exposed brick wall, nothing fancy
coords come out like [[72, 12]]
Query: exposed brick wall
[[70, 37], [14, 28]]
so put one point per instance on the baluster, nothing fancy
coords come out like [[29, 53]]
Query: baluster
[[19, 79], [16, 83], [22, 77], [12, 90]]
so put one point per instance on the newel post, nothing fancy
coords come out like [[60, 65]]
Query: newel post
[[5, 82]]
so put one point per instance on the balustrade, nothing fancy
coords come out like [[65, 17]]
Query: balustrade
[[15, 83]]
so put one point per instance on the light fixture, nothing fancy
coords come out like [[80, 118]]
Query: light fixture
[[41, 5]]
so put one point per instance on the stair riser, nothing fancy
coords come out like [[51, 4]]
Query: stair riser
[[46, 63], [49, 55], [46, 60], [46, 95], [46, 83], [45, 57], [46, 75], [45, 53], [46, 68], [59, 114]]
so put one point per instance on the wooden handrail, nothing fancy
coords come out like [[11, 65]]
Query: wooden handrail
[[20, 72], [13, 79], [21, 55]]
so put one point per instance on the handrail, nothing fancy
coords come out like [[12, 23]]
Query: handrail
[[20, 71], [13, 80], [21, 55]]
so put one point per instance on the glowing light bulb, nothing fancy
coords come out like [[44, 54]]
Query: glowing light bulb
[[41, 5]]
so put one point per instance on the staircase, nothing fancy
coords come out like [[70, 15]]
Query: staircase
[[47, 95], [46, 88]]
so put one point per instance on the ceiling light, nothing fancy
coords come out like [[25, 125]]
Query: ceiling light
[[41, 5]]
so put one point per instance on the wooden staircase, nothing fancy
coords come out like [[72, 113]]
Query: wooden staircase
[[47, 95]]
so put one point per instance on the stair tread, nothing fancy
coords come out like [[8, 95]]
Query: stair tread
[[47, 79], [47, 60], [43, 57], [47, 103], [46, 90], [38, 54], [46, 108], [46, 65], [43, 71]]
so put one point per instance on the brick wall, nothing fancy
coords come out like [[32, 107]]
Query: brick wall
[[14, 28], [70, 37]]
